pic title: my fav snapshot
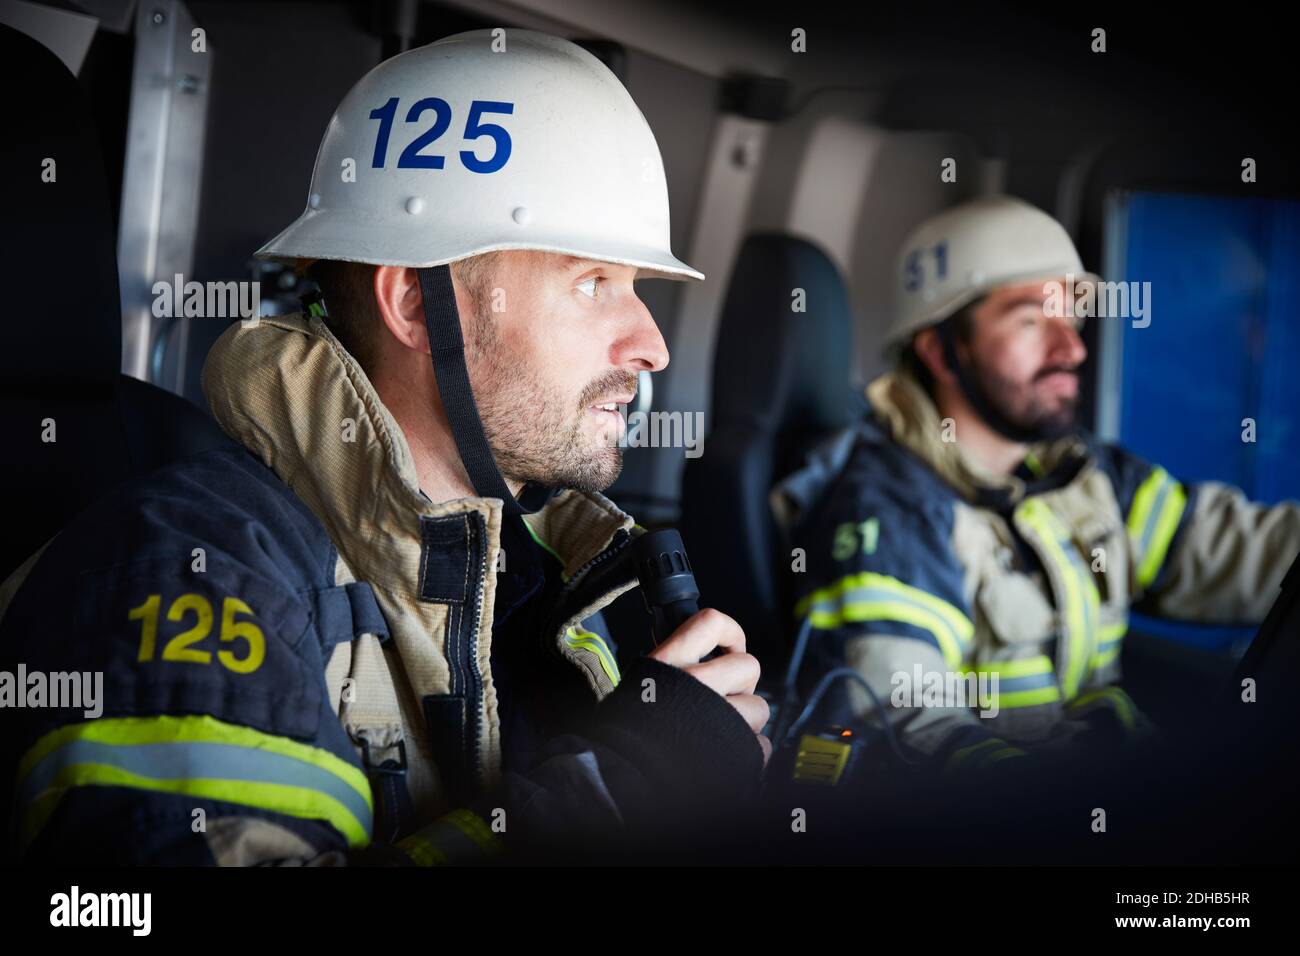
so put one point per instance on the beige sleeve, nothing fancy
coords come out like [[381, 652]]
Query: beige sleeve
[[1230, 560], [251, 841]]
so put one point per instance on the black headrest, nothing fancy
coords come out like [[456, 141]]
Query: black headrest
[[62, 312], [781, 383], [777, 368]]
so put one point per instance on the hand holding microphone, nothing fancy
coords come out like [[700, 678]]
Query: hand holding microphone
[[685, 636]]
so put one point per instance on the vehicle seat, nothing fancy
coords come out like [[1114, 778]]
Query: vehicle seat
[[781, 384], [60, 365]]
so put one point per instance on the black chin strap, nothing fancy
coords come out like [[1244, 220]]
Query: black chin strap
[[447, 348], [976, 395]]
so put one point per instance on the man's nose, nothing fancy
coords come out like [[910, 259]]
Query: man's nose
[[642, 347], [1067, 346]]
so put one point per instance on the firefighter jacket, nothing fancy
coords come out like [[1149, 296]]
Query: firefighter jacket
[[295, 649], [930, 576]]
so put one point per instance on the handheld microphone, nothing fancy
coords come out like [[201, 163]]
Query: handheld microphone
[[667, 582]]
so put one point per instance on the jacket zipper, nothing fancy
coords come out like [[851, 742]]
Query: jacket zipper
[[552, 631], [476, 679]]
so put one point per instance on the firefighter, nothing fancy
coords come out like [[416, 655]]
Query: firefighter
[[370, 630], [967, 529]]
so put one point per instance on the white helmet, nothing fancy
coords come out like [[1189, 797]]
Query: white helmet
[[455, 149], [955, 257]]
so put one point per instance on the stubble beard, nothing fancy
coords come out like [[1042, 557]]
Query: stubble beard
[[1019, 404], [534, 433]]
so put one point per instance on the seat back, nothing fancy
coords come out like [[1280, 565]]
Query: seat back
[[75, 426], [781, 384]]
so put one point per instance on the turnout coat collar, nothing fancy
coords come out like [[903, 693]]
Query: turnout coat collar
[[908, 414], [287, 390]]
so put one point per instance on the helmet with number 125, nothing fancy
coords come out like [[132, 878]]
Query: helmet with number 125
[[493, 139]]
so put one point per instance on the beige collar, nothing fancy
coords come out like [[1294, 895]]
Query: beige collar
[[289, 392], [911, 417]]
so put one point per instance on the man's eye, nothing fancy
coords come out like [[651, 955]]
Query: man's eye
[[588, 287]]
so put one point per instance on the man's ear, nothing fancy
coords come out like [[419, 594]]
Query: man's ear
[[928, 347], [400, 305]]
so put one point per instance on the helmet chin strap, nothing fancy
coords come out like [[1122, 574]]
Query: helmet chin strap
[[447, 349], [976, 395]]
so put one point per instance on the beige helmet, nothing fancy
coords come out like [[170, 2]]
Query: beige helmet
[[964, 252], [477, 143]]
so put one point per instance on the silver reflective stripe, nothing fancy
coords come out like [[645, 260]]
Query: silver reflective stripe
[[187, 761]]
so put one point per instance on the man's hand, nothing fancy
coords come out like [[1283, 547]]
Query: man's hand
[[733, 674]]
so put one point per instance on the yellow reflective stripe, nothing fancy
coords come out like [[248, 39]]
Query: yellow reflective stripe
[[1143, 500], [542, 544], [200, 729], [136, 736], [955, 619], [474, 827], [1112, 636], [564, 576], [959, 756], [1150, 532], [1124, 707], [422, 852], [1102, 658], [458, 837], [857, 612], [951, 628], [985, 752], [1114, 632], [1119, 700], [580, 637], [278, 798], [1028, 698], [1082, 601], [1023, 667], [1004, 753], [1089, 596], [132, 732]]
